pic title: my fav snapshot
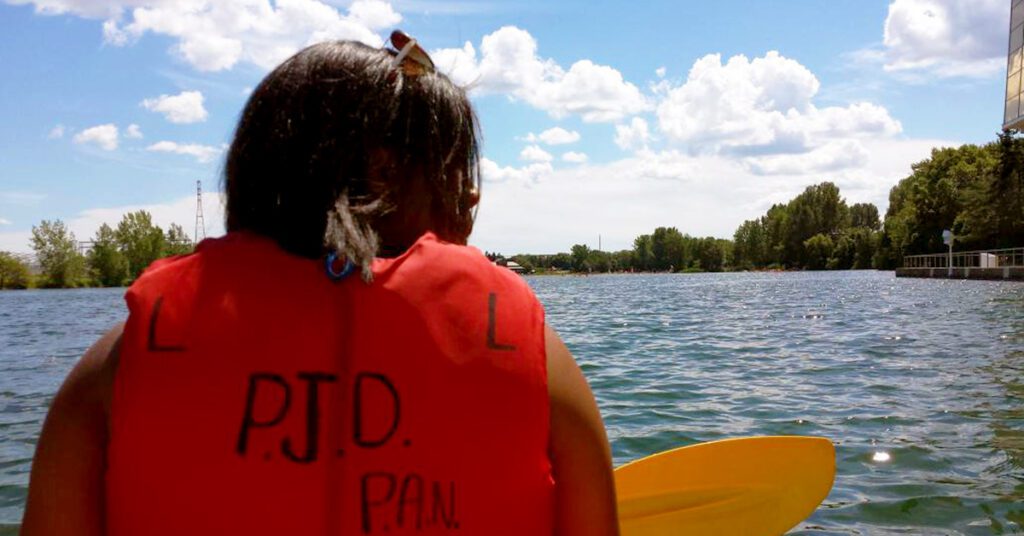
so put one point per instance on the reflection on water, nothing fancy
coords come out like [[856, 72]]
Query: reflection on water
[[920, 383]]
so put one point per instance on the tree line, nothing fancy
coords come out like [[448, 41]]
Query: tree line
[[664, 250], [117, 256], [816, 230], [975, 191]]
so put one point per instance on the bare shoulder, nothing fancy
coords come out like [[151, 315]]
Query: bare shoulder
[[580, 455], [65, 494], [91, 381]]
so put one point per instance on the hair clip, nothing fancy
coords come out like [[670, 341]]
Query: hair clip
[[409, 55]]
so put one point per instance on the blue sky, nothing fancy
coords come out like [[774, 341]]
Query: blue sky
[[689, 114]]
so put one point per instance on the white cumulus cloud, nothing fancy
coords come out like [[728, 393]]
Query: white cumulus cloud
[[5, 221], [832, 156], [56, 132], [533, 153], [133, 131], [185, 107], [574, 157], [213, 35], [202, 153], [374, 15], [103, 136], [762, 107], [508, 63], [492, 172], [947, 37], [633, 136], [556, 136]]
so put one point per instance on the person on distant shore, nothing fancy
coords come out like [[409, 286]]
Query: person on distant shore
[[340, 362]]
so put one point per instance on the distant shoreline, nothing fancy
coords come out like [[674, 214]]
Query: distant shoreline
[[773, 271]]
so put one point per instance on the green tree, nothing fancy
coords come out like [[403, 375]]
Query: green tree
[[749, 245], [599, 261], [844, 252], [580, 258], [140, 241], [865, 215], [178, 243], [864, 242], [560, 261], [109, 267], [818, 250], [782, 236], [13, 272], [668, 249], [950, 190], [622, 261], [818, 210], [993, 203], [643, 255], [526, 261], [708, 253], [775, 222], [57, 253]]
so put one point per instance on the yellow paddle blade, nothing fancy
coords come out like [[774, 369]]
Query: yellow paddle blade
[[751, 486]]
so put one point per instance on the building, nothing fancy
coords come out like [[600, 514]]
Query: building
[[515, 267], [1013, 114]]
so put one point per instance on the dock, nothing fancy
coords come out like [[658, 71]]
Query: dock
[[992, 264]]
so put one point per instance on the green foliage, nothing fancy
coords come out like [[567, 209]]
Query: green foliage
[[864, 246], [865, 215], [666, 249], [643, 255], [545, 263], [669, 250], [117, 257], [581, 258], [57, 252], [844, 252], [815, 230], [107, 263], [819, 210], [749, 245], [817, 250], [13, 272], [977, 192], [178, 243], [139, 241]]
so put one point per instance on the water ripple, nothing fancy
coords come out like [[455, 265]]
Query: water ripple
[[920, 383]]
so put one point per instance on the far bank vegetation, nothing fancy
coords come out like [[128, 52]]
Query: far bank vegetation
[[975, 191], [117, 255]]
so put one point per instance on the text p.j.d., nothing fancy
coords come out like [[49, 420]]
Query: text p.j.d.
[[388, 500]]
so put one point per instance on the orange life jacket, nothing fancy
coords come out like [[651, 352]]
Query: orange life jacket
[[255, 395]]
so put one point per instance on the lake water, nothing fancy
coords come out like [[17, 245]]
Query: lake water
[[920, 383]]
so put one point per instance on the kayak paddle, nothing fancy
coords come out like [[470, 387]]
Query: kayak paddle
[[751, 486]]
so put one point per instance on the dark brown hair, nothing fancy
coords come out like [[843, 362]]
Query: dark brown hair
[[332, 141]]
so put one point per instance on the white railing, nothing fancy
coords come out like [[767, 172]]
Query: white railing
[[990, 258]]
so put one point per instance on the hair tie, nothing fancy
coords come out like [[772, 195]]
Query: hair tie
[[346, 270]]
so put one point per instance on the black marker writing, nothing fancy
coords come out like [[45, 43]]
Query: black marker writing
[[312, 417], [368, 502], [388, 501], [492, 329], [249, 420], [359, 434]]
